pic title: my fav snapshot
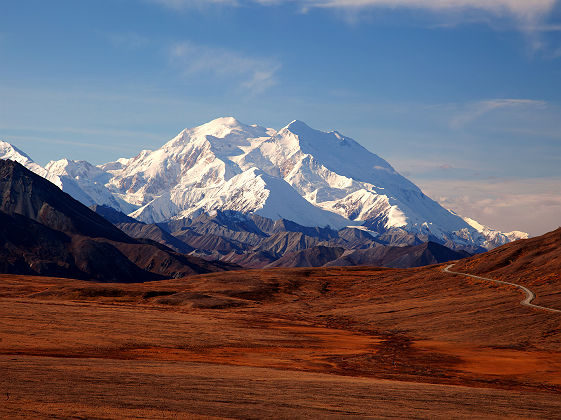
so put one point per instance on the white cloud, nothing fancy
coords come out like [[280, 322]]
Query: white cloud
[[527, 12], [255, 75], [531, 205], [478, 109]]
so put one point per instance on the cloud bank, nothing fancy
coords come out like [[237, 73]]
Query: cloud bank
[[531, 205]]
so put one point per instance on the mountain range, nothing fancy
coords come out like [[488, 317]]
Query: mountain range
[[245, 193]]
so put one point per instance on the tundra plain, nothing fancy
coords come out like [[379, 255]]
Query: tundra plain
[[284, 343]]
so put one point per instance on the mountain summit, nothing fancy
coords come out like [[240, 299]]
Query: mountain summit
[[311, 177]]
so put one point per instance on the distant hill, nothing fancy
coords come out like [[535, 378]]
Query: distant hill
[[380, 256], [537, 259], [259, 242]]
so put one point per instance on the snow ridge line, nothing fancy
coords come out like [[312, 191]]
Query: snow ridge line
[[530, 296]]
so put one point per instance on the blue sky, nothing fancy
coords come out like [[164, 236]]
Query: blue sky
[[462, 96]]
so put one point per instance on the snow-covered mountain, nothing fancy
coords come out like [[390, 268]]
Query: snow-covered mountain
[[495, 238], [197, 172], [80, 179], [8, 151], [85, 182], [312, 177]]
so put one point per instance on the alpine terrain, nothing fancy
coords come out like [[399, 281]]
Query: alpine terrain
[[246, 178]]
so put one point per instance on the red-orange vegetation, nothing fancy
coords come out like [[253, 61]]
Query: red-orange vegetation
[[281, 342]]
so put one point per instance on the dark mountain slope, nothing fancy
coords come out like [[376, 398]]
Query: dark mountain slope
[[284, 225], [140, 230], [112, 215], [22, 192], [282, 242], [45, 231], [155, 233], [28, 247], [317, 256]]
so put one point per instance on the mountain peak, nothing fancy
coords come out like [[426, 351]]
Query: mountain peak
[[228, 120], [221, 128], [222, 123], [298, 127]]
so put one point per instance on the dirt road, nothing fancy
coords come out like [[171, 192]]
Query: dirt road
[[530, 296]]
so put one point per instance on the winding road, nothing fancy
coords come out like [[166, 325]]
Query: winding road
[[530, 296]]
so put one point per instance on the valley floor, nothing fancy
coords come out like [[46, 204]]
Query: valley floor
[[282, 343]]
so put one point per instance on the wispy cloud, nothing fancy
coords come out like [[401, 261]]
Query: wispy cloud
[[99, 146], [546, 28], [254, 75], [193, 4], [478, 109], [528, 12]]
